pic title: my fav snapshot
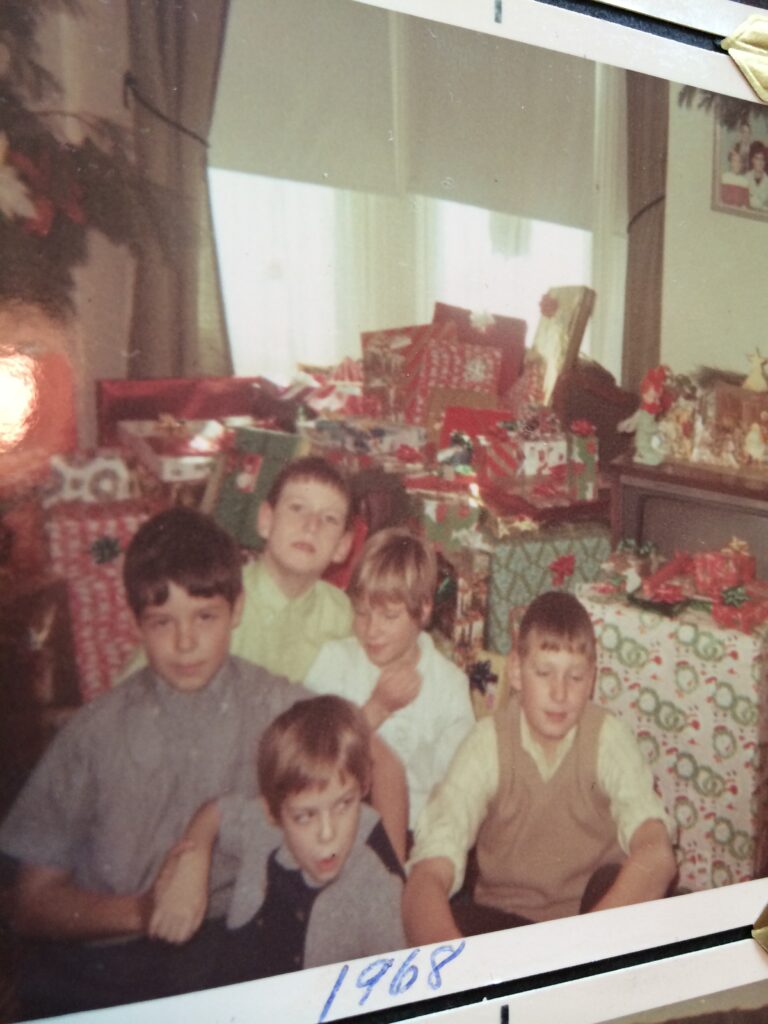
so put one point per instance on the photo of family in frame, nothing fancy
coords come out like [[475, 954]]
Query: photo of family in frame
[[740, 174]]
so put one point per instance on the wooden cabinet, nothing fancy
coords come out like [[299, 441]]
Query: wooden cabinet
[[688, 507]]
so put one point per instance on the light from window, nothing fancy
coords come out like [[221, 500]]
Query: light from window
[[305, 268]]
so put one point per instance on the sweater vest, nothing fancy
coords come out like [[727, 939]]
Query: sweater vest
[[541, 841]]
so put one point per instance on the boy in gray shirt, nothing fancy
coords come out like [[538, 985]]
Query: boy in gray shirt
[[111, 796]]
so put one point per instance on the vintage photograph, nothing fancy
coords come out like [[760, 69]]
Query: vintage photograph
[[739, 173], [382, 575]]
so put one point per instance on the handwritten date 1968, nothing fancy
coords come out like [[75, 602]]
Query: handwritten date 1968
[[401, 981]]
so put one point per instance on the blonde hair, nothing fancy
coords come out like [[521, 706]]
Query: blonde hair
[[396, 566], [308, 745]]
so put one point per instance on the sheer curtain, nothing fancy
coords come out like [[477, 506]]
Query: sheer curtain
[[306, 268]]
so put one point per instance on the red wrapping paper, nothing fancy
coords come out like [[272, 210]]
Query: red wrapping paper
[[746, 617], [716, 571], [187, 398], [391, 361], [86, 543], [450, 364]]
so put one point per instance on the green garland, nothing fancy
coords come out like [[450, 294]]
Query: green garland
[[56, 191], [729, 111]]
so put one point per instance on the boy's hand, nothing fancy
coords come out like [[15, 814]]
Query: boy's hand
[[180, 894], [396, 687]]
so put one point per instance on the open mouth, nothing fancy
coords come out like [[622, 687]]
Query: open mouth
[[326, 864]]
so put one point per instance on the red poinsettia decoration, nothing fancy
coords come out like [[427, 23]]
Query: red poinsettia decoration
[[656, 393], [48, 196], [583, 428], [562, 568]]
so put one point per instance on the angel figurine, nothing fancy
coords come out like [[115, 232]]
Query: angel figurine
[[755, 379]]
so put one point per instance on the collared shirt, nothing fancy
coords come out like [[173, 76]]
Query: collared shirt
[[426, 733], [120, 782], [450, 822], [284, 634]]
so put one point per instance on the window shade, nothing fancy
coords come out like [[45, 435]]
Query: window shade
[[347, 95]]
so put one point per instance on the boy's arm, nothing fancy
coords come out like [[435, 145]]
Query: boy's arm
[[395, 688], [181, 889], [648, 871], [427, 913], [446, 831], [642, 825], [45, 903], [389, 793]]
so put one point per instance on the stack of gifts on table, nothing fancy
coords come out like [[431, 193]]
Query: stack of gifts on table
[[722, 582]]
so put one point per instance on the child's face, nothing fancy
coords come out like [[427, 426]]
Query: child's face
[[320, 826], [187, 638], [554, 686], [387, 631], [305, 531]]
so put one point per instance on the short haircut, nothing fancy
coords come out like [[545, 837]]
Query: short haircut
[[313, 467], [307, 745], [183, 546], [560, 621], [395, 566], [756, 147]]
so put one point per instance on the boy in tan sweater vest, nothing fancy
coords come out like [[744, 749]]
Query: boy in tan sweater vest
[[553, 793]]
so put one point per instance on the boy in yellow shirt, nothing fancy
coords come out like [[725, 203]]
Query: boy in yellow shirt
[[290, 611]]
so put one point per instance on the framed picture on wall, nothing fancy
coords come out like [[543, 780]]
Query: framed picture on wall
[[740, 162]]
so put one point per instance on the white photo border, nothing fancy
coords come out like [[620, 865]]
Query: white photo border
[[508, 958]]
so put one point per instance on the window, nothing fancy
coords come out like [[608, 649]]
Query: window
[[305, 268]]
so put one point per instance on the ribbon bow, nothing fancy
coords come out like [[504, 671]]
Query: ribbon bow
[[481, 676]]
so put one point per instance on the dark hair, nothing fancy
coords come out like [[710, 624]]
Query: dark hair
[[313, 467], [183, 546], [308, 744], [756, 147], [560, 620]]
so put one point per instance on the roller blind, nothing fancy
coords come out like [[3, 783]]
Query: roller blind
[[347, 95]]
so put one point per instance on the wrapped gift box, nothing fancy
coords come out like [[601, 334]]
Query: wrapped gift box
[[451, 364], [338, 392], [243, 476], [503, 332], [177, 451], [461, 601], [189, 398], [98, 474], [693, 693], [510, 459], [391, 360], [716, 571], [86, 543], [358, 444], [449, 521], [532, 561]]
